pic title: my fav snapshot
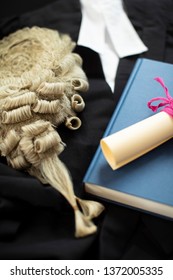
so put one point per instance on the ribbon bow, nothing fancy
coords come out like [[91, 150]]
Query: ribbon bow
[[167, 101]]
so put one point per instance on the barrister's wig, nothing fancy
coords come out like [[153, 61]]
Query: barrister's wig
[[41, 79]]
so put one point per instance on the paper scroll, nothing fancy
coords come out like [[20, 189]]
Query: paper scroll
[[134, 141]]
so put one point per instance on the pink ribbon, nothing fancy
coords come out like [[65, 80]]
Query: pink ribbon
[[167, 101]]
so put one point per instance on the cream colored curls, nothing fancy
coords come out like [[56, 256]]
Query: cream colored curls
[[41, 82]]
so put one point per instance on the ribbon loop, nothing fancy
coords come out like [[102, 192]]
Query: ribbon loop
[[167, 101]]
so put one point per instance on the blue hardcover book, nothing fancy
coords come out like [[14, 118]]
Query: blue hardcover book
[[145, 183]]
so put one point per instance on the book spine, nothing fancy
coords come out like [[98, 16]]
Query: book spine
[[92, 164], [123, 96], [113, 118]]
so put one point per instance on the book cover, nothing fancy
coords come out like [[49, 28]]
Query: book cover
[[146, 182]]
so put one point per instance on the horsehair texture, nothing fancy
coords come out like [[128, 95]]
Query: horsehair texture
[[41, 79]]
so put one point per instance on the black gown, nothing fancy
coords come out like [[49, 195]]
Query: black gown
[[35, 220]]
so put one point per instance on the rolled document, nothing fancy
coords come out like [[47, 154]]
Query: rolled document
[[134, 141]]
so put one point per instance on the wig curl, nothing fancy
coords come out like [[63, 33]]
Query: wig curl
[[41, 81]]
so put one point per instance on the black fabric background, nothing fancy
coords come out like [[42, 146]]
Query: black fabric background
[[35, 221]]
